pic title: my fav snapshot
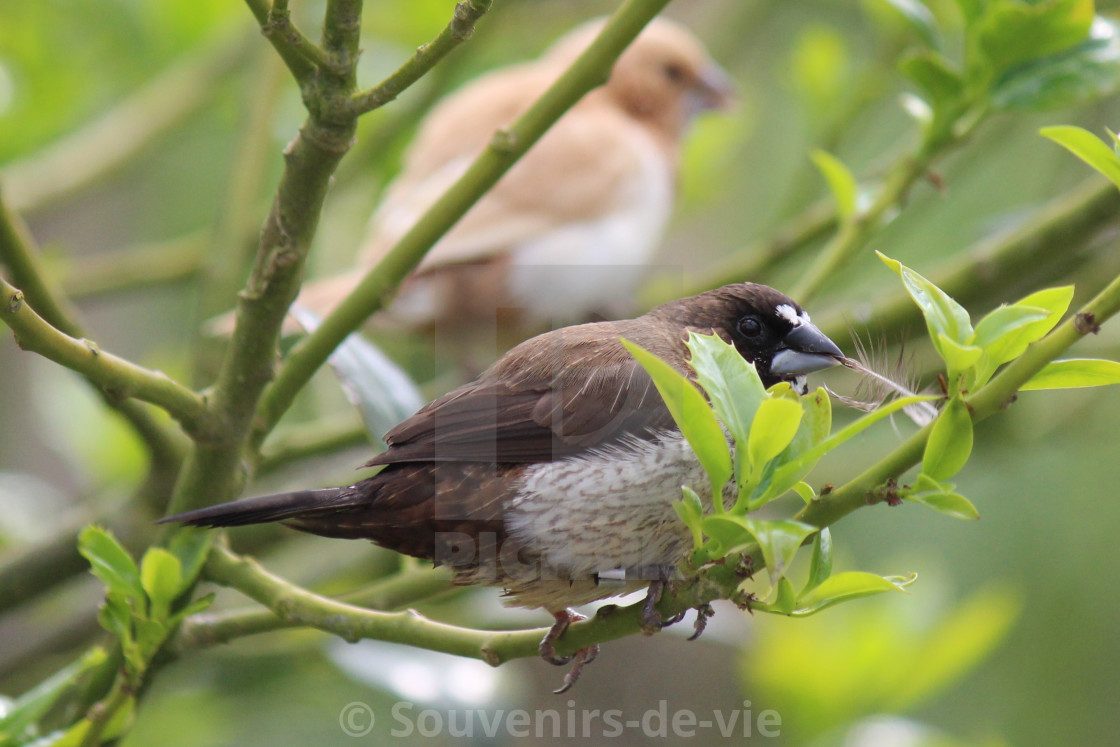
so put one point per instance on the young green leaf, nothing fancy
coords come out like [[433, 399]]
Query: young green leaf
[[775, 425], [732, 384], [692, 415], [1010, 33], [845, 586], [1074, 373], [934, 76], [30, 707], [162, 577], [1003, 321], [805, 490], [820, 566], [1088, 148], [1054, 301], [110, 562], [957, 357], [691, 511], [919, 18], [1074, 77], [844, 188], [950, 504], [778, 539], [950, 441], [943, 315]]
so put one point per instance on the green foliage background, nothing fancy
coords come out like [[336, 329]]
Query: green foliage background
[[813, 74]]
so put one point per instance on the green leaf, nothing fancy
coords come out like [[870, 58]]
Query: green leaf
[[788, 473], [732, 384], [778, 540], [115, 615], [820, 566], [1003, 321], [691, 511], [110, 562], [805, 490], [934, 76], [162, 577], [1011, 346], [775, 425], [957, 357], [950, 504], [953, 647], [1012, 32], [1088, 148], [692, 415], [1074, 373], [1075, 77], [191, 547], [950, 441], [30, 707], [918, 17], [844, 188], [943, 315], [846, 586]]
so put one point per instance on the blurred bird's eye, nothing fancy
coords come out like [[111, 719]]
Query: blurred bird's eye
[[749, 326], [673, 71]]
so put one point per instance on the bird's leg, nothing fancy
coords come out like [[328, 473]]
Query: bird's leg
[[651, 618], [547, 649]]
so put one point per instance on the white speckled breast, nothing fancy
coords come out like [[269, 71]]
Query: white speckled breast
[[609, 509]]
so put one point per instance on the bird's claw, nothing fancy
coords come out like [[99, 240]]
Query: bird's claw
[[581, 658], [703, 612]]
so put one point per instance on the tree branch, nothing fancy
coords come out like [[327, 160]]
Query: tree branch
[[20, 255], [461, 27], [591, 69], [299, 53], [117, 377]]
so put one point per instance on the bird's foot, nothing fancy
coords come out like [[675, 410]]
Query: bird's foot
[[703, 612], [579, 660], [651, 617]]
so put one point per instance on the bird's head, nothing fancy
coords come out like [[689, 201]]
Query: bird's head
[[767, 327], [665, 77]]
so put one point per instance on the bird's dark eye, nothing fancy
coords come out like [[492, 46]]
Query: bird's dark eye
[[749, 326], [673, 71]]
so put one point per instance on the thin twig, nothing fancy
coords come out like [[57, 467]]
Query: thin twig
[[461, 27]]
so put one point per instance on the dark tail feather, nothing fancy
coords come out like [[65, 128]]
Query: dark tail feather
[[279, 507]]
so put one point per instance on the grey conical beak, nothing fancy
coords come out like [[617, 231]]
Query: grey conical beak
[[805, 349]]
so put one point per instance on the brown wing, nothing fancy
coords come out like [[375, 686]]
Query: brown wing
[[552, 397]]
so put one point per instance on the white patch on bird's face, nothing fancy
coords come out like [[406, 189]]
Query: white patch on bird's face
[[787, 312]]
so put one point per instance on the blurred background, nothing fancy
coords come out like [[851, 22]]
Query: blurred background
[[141, 142]]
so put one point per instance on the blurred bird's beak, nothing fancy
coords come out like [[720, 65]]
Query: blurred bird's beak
[[805, 350], [715, 89]]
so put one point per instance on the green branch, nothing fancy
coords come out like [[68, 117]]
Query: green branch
[[117, 377], [461, 27], [21, 257], [398, 591], [300, 55], [590, 70]]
